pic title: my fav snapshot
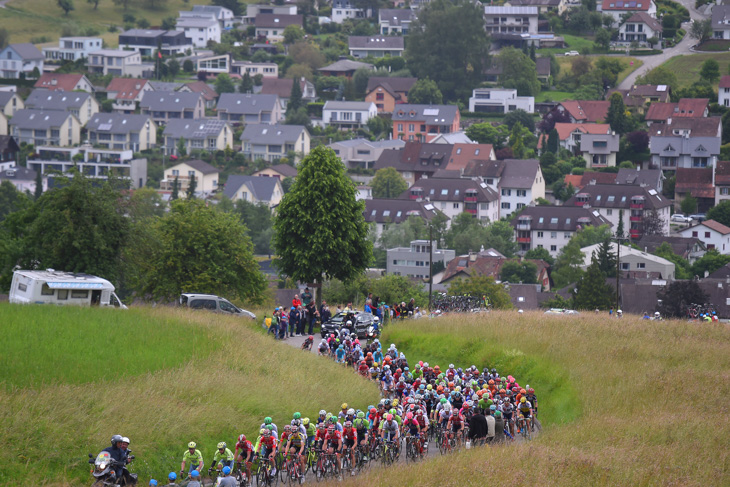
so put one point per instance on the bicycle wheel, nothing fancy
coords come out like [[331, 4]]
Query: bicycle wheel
[[319, 470], [284, 472], [261, 478], [443, 444]]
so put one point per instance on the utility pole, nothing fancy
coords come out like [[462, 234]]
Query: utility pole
[[618, 267], [430, 265]]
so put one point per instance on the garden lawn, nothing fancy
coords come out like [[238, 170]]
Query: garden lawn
[[687, 68]]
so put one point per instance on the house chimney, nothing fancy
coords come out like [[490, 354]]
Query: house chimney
[[472, 256]]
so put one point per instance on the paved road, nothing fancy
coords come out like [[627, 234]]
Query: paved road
[[683, 48]]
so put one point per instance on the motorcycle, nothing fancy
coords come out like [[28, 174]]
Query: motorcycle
[[373, 332], [104, 471]]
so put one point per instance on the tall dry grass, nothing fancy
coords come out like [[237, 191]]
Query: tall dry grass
[[48, 431], [651, 401]]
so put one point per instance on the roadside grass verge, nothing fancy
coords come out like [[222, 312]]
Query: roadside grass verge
[[46, 345], [49, 431], [652, 400]]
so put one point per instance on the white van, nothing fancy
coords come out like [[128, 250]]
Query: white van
[[58, 287]]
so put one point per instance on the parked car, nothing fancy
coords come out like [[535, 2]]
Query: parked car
[[214, 303], [698, 217], [361, 324], [680, 218], [572, 53]]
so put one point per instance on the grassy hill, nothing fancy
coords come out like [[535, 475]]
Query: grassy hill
[[73, 377], [687, 68], [637, 403], [28, 20]]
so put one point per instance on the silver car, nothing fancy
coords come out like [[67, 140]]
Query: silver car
[[214, 303]]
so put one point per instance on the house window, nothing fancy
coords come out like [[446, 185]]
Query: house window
[[707, 234], [724, 191], [520, 205], [640, 265], [553, 234], [567, 235], [521, 192], [553, 248], [506, 192], [379, 96], [540, 234], [625, 266], [694, 234], [456, 206], [609, 212], [505, 206]]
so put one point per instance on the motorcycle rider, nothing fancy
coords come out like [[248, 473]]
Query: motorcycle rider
[[121, 455]]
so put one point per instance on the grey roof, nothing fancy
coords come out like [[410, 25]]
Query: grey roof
[[165, 85], [194, 129], [376, 42], [449, 189], [587, 143], [285, 170], [378, 144], [240, 103], [431, 114], [644, 177], [681, 246], [271, 134], [39, 119], [8, 144], [397, 211], [18, 173], [56, 100], [27, 51], [278, 21], [157, 101], [5, 97], [519, 173], [618, 196], [153, 33], [510, 10], [346, 65], [396, 16], [214, 9], [559, 218], [392, 85], [261, 187], [484, 168], [201, 166], [347, 105], [117, 123], [114, 53], [721, 17], [195, 22]]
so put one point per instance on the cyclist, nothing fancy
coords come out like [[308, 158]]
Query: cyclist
[[455, 424], [423, 426], [246, 453], [349, 436], [311, 431], [269, 422], [266, 447], [295, 446], [323, 348], [341, 415], [525, 409], [224, 456], [320, 436], [390, 429], [361, 428], [322, 416], [193, 456], [333, 441], [412, 428], [532, 399]]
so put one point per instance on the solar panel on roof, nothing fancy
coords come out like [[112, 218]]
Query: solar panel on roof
[[431, 111], [105, 126]]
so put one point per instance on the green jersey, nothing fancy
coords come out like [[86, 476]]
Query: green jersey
[[194, 458], [226, 455]]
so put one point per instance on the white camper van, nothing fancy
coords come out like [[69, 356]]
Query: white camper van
[[57, 287]]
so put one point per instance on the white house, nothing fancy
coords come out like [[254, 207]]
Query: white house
[[721, 21], [723, 92], [395, 21], [272, 142], [254, 189], [633, 260], [17, 59], [640, 27], [118, 62], [521, 184], [684, 142], [346, 9], [511, 20], [206, 177], [414, 261], [348, 115], [376, 46], [362, 153], [223, 15], [72, 48], [200, 30], [619, 8], [713, 234], [499, 100]]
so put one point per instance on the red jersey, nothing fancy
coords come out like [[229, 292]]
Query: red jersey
[[269, 442], [363, 368], [284, 437], [349, 433], [245, 446], [320, 436], [335, 436]]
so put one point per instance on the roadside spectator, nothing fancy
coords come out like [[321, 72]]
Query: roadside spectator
[[324, 312], [306, 297], [283, 323], [273, 323], [311, 316], [491, 426], [296, 302], [411, 307], [477, 426], [498, 427], [294, 325], [195, 482], [367, 308]]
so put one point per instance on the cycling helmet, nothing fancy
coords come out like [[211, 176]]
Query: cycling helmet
[[331, 427], [222, 445], [523, 392], [125, 440], [192, 445], [226, 470], [305, 422], [116, 439], [262, 432], [468, 404], [429, 387], [411, 401], [395, 402], [402, 379], [267, 420], [153, 483], [387, 403], [443, 400], [491, 382], [492, 407], [350, 412], [348, 424], [393, 412], [241, 438], [297, 415], [501, 391], [389, 417], [287, 427], [361, 415], [270, 427], [523, 399], [530, 390], [344, 405], [349, 323], [322, 412], [172, 476], [195, 474], [373, 411], [409, 415]]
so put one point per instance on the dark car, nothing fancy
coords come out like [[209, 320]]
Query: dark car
[[362, 324]]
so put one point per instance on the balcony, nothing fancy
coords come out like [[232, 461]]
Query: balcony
[[523, 226], [635, 233], [637, 206], [470, 211], [470, 199], [523, 239]]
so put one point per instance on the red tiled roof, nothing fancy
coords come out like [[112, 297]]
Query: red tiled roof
[[722, 172], [695, 181], [574, 179], [565, 129], [692, 107], [463, 153], [716, 226], [660, 111], [126, 88], [579, 181], [725, 82], [587, 110], [204, 89], [277, 86], [58, 81], [483, 266]]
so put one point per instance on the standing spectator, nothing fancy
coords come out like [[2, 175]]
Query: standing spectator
[[491, 426], [306, 297], [311, 316], [294, 322], [296, 302], [273, 324], [324, 312], [498, 427], [411, 307], [283, 323], [368, 308], [477, 426]]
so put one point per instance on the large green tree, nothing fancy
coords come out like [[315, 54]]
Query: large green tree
[[720, 213], [482, 286], [193, 248], [388, 183], [710, 71], [11, 200], [675, 298], [701, 30], [66, 5], [605, 258], [425, 92], [319, 229], [518, 71], [592, 291], [448, 45], [514, 271], [78, 227], [616, 116]]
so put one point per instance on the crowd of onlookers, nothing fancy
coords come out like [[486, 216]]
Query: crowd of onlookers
[[303, 314]]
